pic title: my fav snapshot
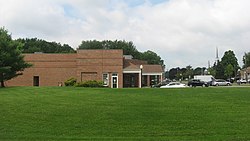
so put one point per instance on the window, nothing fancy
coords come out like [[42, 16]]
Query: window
[[105, 79], [35, 80]]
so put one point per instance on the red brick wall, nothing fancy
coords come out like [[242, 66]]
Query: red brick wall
[[99, 62], [55, 68], [51, 69]]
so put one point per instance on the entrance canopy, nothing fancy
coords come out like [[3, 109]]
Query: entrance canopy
[[138, 73]]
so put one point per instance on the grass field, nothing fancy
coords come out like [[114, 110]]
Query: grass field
[[61, 113]]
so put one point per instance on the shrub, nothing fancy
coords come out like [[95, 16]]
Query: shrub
[[91, 83], [70, 82]]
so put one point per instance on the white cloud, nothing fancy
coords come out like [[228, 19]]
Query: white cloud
[[182, 32]]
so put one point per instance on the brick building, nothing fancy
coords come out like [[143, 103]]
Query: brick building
[[245, 74], [109, 66]]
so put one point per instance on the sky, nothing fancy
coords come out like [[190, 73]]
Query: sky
[[182, 32]]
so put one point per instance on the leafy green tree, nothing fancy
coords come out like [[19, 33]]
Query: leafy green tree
[[199, 71], [246, 60], [229, 58], [229, 70], [180, 73], [212, 71], [11, 60], [127, 47], [189, 73], [167, 74], [173, 73], [94, 44], [151, 57], [219, 70], [36, 45]]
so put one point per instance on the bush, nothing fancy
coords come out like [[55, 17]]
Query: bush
[[70, 82], [91, 83]]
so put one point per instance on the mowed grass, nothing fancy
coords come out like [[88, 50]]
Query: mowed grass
[[61, 113]]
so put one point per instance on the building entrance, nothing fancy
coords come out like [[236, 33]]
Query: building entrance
[[114, 80]]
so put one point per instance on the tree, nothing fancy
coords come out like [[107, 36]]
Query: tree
[[11, 60], [37, 45], [127, 47], [229, 58], [212, 71], [199, 71], [181, 74], [94, 44], [229, 70], [219, 70], [189, 73], [151, 57], [173, 73], [246, 60]]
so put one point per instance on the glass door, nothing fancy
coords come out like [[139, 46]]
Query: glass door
[[114, 80]]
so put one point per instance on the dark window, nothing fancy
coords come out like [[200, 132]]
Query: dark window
[[36, 81]]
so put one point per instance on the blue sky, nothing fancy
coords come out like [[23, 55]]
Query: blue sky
[[182, 32], [70, 10]]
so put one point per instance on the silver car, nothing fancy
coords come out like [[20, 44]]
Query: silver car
[[221, 82]]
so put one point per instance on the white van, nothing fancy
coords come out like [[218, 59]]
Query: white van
[[206, 78]]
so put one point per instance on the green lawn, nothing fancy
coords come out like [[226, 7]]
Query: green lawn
[[61, 113]]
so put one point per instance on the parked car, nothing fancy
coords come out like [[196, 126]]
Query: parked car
[[221, 82], [231, 80], [242, 81], [197, 82], [164, 82], [174, 85]]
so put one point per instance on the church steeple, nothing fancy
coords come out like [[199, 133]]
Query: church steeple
[[217, 56]]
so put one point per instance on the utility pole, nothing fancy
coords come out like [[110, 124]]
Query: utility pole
[[246, 73]]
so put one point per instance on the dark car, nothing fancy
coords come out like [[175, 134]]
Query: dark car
[[197, 82]]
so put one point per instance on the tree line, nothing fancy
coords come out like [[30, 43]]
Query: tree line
[[38, 45], [226, 68]]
